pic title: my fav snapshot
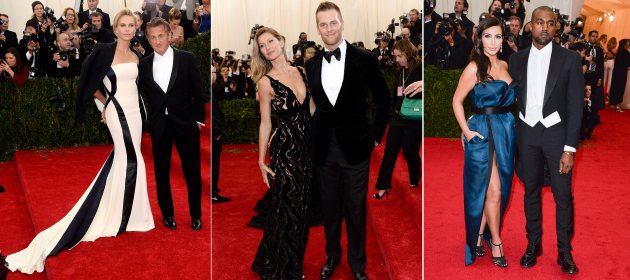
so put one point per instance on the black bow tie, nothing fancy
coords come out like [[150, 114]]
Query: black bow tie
[[336, 53]]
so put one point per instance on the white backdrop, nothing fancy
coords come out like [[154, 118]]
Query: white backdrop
[[477, 7], [232, 20], [19, 11]]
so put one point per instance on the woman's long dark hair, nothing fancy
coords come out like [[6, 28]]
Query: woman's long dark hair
[[18, 59], [477, 55]]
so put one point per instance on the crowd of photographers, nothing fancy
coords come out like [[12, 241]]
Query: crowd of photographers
[[56, 45], [449, 41], [234, 75]]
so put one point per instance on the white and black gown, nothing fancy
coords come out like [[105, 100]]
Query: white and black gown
[[117, 200]]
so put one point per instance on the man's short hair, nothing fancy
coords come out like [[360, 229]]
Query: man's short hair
[[515, 18], [3, 15], [591, 32], [158, 21], [325, 6], [416, 11], [544, 8], [96, 14]]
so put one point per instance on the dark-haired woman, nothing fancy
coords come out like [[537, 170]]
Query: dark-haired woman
[[620, 75], [403, 134], [12, 69], [489, 140]]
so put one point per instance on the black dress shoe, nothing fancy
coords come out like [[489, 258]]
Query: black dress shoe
[[196, 224], [328, 268], [4, 268], [1, 189], [531, 253], [169, 222], [565, 260], [360, 276], [219, 199]]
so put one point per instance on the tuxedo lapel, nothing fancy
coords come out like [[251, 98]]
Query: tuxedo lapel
[[523, 80], [150, 73], [174, 71], [554, 71], [317, 80], [349, 69]]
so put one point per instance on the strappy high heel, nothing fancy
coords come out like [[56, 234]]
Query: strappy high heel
[[499, 261], [380, 196], [479, 250]]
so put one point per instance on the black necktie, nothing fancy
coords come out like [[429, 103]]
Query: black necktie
[[336, 53]]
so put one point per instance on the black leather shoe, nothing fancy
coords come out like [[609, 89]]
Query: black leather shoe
[[1, 189], [328, 268], [4, 268], [169, 222], [531, 253], [360, 276], [196, 224], [219, 199], [565, 260]]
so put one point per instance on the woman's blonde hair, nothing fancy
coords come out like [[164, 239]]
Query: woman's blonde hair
[[260, 65], [122, 13], [75, 24]]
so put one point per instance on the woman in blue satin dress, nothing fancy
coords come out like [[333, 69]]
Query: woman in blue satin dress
[[489, 140]]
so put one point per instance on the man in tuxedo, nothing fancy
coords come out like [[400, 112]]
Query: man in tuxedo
[[101, 34], [595, 72], [8, 38], [218, 137], [340, 78], [84, 16], [550, 116], [172, 82]]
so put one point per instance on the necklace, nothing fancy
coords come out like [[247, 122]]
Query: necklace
[[403, 77]]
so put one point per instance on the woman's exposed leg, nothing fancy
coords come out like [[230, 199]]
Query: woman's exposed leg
[[492, 208]]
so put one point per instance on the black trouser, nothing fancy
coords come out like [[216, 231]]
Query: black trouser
[[217, 147], [537, 145], [405, 134], [343, 188], [188, 149]]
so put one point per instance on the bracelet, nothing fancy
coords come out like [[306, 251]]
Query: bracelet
[[568, 153]]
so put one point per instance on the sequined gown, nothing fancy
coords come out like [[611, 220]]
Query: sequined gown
[[499, 131], [281, 251]]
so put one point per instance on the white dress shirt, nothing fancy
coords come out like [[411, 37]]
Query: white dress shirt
[[332, 74], [162, 68], [537, 71]]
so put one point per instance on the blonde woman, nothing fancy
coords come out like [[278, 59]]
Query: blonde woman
[[174, 18]]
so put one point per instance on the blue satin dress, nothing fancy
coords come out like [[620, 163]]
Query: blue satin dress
[[499, 131]]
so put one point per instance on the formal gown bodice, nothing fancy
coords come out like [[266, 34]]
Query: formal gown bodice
[[495, 93]]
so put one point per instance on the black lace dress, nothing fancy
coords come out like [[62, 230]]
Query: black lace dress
[[281, 251]]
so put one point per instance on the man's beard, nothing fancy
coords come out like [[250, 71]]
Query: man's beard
[[542, 41]]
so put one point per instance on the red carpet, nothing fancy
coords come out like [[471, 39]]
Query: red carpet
[[53, 180], [393, 240], [602, 211]]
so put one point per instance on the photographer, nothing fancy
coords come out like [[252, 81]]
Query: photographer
[[69, 25], [431, 19], [513, 40], [84, 17], [12, 69], [222, 86], [595, 72], [299, 46], [383, 53], [35, 51], [154, 8], [466, 25], [140, 42], [66, 61], [590, 118], [245, 87], [448, 47], [415, 26], [44, 18], [8, 38], [100, 34]]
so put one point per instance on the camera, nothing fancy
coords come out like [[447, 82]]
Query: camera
[[404, 18], [137, 38], [510, 37], [1, 22], [49, 14], [245, 62], [252, 33], [429, 6], [61, 24], [87, 39], [63, 55], [512, 4], [31, 37], [445, 26]]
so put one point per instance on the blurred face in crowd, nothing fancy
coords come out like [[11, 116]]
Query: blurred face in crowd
[[5, 25], [329, 27], [174, 23], [496, 5], [491, 39], [63, 41], [213, 74], [224, 72], [587, 91], [270, 46], [383, 44], [10, 59], [126, 28], [303, 37], [544, 26], [39, 10], [593, 37], [459, 6], [138, 20], [406, 34], [30, 30], [92, 4], [515, 27], [70, 17], [97, 22], [159, 38], [413, 16], [401, 58]]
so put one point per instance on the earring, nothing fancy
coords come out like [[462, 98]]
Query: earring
[[501, 49]]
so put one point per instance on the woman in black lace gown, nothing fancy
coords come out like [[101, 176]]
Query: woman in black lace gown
[[282, 88]]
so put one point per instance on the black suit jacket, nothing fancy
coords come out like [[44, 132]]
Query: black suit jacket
[[564, 91], [183, 98], [348, 117], [11, 41], [85, 17]]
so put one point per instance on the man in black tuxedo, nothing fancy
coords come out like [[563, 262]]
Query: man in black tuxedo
[[172, 82], [595, 72], [84, 16], [8, 38], [550, 115], [339, 79]]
